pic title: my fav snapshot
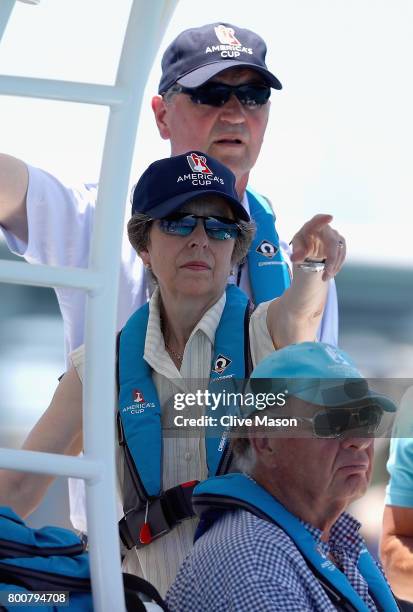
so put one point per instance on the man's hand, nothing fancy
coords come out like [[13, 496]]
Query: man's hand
[[317, 240]]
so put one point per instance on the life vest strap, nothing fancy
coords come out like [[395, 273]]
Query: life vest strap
[[163, 514]]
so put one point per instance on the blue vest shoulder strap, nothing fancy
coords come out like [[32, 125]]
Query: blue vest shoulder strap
[[269, 274], [139, 406], [217, 495]]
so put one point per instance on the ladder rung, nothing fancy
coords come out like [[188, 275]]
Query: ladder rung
[[70, 91], [19, 272], [49, 463]]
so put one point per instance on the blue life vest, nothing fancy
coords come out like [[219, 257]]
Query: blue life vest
[[214, 496], [139, 410], [53, 560], [269, 274]]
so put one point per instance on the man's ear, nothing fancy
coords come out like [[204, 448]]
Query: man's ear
[[160, 110], [263, 447]]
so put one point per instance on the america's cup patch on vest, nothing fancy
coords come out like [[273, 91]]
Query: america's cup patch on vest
[[139, 403], [267, 248], [229, 45], [200, 173], [138, 396], [221, 364]]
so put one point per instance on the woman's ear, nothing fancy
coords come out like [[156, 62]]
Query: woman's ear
[[146, 259]]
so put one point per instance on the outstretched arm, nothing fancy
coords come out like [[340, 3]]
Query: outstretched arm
[[14, 180], [296, 315], [59, 430]]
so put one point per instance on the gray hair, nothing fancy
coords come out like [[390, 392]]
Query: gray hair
[[244, 454], [171, 92], [140, 224]]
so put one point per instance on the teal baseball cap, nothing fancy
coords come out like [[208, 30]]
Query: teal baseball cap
[[317, 373]]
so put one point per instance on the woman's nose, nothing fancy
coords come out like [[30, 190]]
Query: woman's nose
[[198, 236]]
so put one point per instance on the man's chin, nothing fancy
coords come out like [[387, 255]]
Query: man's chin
[[235, 156], [355, 485]]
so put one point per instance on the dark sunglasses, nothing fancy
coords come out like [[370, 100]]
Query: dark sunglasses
[[335, 422], [183, 224], [218, 94]]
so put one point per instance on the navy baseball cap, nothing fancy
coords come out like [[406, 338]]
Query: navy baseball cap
[[198, 54], [317, 373], [168, 183]]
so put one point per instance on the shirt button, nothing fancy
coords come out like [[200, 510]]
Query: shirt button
[[187, 456]]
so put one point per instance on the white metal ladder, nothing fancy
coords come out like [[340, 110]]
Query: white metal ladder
[[146, 26]]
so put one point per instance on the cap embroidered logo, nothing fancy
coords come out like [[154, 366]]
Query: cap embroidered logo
[[197, 163], [226, 36], [336, 355]]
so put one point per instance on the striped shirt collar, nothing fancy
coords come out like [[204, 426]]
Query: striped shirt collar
[[155, 353]]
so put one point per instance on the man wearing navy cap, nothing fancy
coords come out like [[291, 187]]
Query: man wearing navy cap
[[213, 97], [277, 536]]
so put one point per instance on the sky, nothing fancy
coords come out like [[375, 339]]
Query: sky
[[340, 134]]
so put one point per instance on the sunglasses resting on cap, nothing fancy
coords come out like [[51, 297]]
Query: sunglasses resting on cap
[[338, 422], [325, 378]]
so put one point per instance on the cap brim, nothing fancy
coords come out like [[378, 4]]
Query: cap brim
[[169, 206], [204, 73], [383, 401], [328, 392]]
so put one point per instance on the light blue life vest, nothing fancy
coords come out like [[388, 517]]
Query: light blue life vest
[[217, 495], [139, 406], [269, 274]]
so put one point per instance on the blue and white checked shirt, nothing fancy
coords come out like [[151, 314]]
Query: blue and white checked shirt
[[244, 564]]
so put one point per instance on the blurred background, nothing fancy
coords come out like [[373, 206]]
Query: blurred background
[[339, 141]]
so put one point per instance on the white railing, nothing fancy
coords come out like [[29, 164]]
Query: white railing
[[146, 26]]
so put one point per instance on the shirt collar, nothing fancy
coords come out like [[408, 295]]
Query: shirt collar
[[155, 353], [209, 322], [245, 202], [344, 535]]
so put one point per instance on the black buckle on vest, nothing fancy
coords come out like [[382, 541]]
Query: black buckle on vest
[[164, 513]]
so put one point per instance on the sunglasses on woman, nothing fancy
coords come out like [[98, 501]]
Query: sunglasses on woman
[[217, 94], [183, 224], [336, 422]]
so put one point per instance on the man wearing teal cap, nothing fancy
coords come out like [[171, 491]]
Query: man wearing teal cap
[[277, 537]]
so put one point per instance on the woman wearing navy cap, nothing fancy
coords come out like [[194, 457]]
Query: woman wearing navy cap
[[189, 228]]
